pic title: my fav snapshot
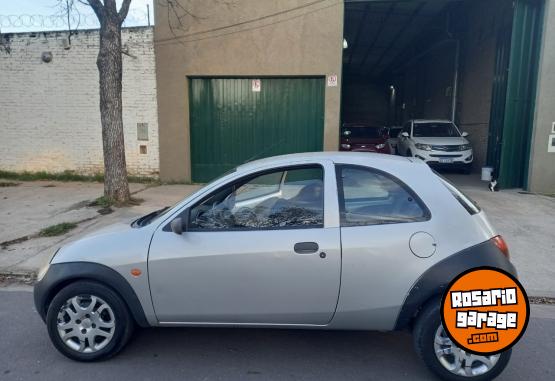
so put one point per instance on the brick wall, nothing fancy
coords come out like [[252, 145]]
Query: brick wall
[[49, 112]]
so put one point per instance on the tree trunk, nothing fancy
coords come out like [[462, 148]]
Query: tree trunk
[[109, 63]]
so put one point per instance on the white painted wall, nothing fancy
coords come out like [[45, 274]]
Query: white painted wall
[[49, 112]]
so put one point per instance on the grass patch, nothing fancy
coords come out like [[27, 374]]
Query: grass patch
[[69, 176], [5, 184], [102, 201], [58, 229]]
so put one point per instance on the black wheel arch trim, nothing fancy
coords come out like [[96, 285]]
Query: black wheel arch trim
[[61, 274], [435, 280]]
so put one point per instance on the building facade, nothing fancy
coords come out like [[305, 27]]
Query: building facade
[[228, 72], [49, 102]]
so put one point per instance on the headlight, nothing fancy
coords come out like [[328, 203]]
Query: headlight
[[346, 146], [380, 146], [465, 147], [42, 272], [423, 147]]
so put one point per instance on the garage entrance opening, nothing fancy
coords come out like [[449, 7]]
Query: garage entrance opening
[[471, 62], [236, 120]]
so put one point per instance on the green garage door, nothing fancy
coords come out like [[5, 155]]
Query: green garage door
[[235, 120]]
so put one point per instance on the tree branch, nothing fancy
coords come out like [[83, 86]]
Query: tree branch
[[124, 10], [98, 8]]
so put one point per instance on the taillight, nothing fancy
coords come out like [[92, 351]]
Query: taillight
[[501, 245]]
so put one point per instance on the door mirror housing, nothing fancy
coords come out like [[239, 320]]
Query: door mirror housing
[[464, 134], [177, 225], [405, 134]]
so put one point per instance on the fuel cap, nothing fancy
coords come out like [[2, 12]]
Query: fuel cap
[[422, 244]]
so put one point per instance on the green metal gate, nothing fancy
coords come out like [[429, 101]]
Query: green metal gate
[[233, 121], [514, 154]]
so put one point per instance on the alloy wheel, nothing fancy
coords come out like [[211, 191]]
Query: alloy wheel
[[457, 360]]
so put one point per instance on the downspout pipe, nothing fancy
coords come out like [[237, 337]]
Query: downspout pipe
[[455, 88]]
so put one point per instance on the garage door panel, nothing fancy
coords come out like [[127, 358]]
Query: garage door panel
[[231, 123]]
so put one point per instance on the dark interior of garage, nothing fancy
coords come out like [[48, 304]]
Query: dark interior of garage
[[447, 59]]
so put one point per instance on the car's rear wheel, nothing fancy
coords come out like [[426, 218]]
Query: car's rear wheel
[[88, 321], [444, 358]]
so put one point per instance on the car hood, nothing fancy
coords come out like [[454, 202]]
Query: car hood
[[364, 141], [441, 141], [114, 245]]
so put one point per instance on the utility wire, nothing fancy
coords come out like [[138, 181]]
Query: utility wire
[[241, 23], [178, 39]]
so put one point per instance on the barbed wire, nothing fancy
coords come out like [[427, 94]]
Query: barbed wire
[[28, 22]]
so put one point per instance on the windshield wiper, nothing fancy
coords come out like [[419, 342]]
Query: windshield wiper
[[144, 220]]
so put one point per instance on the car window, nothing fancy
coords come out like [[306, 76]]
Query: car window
[[394, 132], [286, 198], [364, 132], [370, 197], [435, 130]]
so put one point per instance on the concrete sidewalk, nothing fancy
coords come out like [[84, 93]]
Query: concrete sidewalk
[[526, 221], [27, 208]]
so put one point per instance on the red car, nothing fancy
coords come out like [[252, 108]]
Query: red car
[[364, 138]]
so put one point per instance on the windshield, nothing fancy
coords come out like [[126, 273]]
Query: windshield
[[394, 132], [435, 130], [363, 132]]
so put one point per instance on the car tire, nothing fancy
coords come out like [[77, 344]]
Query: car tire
[[428, 332], [467, 170], [408, 153], [84, 331]]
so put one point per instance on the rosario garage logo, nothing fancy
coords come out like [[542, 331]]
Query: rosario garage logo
[[485, 311]]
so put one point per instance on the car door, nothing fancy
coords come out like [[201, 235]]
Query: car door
[[264, 249], [385, 235]]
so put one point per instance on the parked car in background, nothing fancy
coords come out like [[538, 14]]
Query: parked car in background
[[393, 133], [364, 138], [439, 143], [344, 241]]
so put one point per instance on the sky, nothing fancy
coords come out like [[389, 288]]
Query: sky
[[44, 15]]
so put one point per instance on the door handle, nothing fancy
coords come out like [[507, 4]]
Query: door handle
[[306, 247]]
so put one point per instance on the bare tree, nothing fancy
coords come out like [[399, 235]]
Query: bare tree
[[109, 63]]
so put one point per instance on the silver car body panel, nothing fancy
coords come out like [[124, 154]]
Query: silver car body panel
[[254, 278]]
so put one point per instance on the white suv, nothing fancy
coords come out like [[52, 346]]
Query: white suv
[[437, 142]]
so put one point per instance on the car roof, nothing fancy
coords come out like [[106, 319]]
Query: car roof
[[377, 159]]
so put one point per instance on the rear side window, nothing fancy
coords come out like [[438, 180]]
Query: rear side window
[[469, 204], [371, 197]]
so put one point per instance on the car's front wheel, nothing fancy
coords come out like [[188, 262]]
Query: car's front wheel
[[444, 358], [88, 321]]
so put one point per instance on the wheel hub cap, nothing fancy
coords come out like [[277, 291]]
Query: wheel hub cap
[[86, 323]]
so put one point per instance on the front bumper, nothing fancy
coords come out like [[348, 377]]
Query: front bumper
[[460, 159]]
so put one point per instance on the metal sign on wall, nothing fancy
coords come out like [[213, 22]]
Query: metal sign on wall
[[256, 85], [332, 80]]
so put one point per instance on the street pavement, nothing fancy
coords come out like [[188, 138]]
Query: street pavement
[[245, 354]]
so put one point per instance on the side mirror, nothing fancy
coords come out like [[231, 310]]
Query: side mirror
[[464, 134], [405, 134], [177, 225]]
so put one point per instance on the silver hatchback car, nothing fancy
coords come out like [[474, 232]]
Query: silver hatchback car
[[345, 241]]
